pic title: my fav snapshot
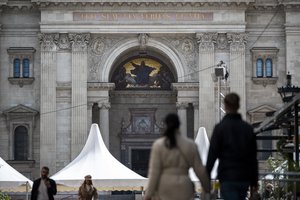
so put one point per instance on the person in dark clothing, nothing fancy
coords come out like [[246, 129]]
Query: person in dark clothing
[[233, 142], [43, 188]]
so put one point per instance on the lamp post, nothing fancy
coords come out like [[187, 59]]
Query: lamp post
[[287, 93]]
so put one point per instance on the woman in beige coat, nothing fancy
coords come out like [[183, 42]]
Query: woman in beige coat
[[170, 160]]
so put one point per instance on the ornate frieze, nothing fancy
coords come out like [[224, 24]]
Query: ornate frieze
[[237, 41], [48, 41], [79, 41], [206, 41], [149, 3]]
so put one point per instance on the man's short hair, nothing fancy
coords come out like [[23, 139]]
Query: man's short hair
[[232, 101], [45, 168]]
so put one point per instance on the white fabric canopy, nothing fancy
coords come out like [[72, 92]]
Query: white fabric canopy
[[11, 179], [106, 171], [203, 147]]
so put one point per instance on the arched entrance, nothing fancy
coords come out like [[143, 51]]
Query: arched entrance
[[141, 99]]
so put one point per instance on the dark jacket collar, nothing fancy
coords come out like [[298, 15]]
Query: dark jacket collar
[[232, 116]]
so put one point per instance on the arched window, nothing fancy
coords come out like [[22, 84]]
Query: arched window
[[17, 68], [259, 67], [269, 66], [21, 143], [26, 68]]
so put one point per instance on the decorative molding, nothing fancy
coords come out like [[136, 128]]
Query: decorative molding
[[143, 40], [143, 3], [143, 94], [182, 105], [185, 86], [21, 81], [265, 81], [206, 41], [104, 105], [79, 41], [237, 41], [100, 86], [186, 46], [48, 41], [64, 42], [222, 42], [20, 113]]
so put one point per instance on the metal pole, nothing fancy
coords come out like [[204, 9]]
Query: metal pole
[[296, 132], [219, 98]]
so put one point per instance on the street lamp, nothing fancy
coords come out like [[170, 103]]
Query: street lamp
[[288, 91]]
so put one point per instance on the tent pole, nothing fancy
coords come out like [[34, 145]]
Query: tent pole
[[27, 190]]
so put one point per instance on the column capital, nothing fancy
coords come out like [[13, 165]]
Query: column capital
[[206, 41], [48, 41], [105, 105], [79, 41], [237, 41], [182, 105], [195, 105]]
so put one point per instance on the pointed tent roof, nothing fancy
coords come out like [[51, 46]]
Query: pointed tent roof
[[106, 171], [203, 147], [11, 179]]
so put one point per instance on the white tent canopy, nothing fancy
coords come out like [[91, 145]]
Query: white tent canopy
[[11, 179], [203, 147], [106, 171]]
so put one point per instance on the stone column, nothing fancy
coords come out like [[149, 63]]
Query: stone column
[[237, 68], [181, 110], [79, 129], [104, 122], [48, 100], [207, 102], [196, 118]]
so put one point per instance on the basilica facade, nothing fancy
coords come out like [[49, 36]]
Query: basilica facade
[[65, 64]]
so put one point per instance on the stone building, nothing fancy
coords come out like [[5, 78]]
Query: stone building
[[125, 64]]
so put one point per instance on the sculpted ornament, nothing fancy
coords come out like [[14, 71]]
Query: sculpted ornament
[[222, 42], [237, 41], [98, 45], [79, 41], [206, 41], [48, 41], [143, 40], [187, 46], [64, 42]]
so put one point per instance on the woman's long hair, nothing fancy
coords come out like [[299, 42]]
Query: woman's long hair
[[172, 125]]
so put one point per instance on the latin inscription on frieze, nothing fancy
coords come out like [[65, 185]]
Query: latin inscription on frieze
[[143, 16]]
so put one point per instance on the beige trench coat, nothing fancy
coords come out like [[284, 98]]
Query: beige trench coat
[[168, 170]]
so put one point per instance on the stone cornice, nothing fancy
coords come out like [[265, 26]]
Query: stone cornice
[[185, 86], [137, 3], [100, 86], [17, 5]]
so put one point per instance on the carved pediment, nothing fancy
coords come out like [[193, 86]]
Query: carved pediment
[[258, 114], [20, 110]]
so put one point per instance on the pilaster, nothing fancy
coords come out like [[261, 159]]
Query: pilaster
[[104, 122], [196, 118], [207, 111], [48, 100], [79, 92], [238, 67], [181, 110]]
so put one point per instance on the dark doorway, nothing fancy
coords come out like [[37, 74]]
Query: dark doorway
[[140, 161]]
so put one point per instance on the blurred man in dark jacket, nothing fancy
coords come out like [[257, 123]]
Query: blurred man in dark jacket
[[43, 188], [233, 142]]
